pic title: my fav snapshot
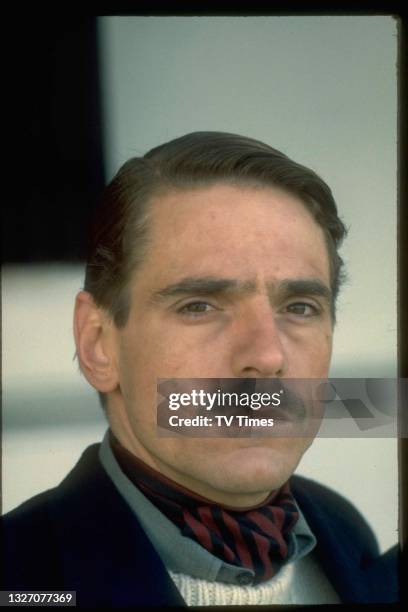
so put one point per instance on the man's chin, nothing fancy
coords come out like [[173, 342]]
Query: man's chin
[[253, 469]]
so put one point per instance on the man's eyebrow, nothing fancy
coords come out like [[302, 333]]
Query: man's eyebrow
[[203, 286], [211, 286], [302, 286]]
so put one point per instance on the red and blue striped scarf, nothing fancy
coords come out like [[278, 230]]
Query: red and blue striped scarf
[[254, 538]]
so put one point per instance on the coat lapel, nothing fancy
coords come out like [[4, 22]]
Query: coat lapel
[[107, 557], [346, 546]]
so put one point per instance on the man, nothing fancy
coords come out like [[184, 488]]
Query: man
[[213, 256]]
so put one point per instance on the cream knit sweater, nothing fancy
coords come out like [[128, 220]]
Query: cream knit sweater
[[300, 582]]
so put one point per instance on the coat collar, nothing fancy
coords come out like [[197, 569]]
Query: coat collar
[[346, 546]]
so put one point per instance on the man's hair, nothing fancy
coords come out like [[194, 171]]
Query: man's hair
[[119, 235]]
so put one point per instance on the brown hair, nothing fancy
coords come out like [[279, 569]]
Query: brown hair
[[119, 234]]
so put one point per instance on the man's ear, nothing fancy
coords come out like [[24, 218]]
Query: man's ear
[[94, 339]]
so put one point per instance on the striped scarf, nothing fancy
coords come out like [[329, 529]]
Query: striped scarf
[[253, 538]]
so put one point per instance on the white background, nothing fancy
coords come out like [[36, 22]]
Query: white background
[[321, 89]]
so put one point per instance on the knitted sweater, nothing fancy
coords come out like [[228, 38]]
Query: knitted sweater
[[300, 582]]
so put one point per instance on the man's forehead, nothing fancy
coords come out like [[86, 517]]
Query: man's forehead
[[258, 234], [225, 200], [230, 215]]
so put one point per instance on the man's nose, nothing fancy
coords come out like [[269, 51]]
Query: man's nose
[[257, 346]]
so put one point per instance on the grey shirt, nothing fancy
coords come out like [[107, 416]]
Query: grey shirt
[[181, 554]]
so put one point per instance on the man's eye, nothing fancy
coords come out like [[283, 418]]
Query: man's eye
[[195, 308], [303, 309]]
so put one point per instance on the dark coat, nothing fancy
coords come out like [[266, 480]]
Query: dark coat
[[83, 537]]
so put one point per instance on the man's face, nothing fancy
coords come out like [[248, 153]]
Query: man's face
[[218, 296]]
